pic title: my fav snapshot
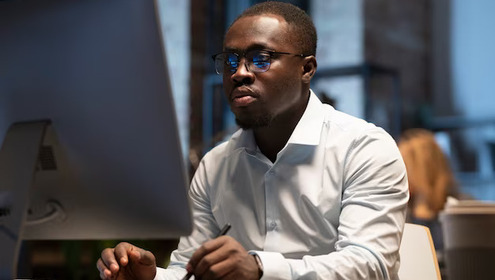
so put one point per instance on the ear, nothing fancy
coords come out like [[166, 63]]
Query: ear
[[309, 68]]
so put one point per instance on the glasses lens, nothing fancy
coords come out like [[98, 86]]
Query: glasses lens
[[231, 62], [259, 60], [226, 62]]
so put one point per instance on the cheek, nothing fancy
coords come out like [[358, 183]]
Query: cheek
[[288, 72], [227, 85], [287, 83]]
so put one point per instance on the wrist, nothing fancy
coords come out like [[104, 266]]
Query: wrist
[[259, 264]]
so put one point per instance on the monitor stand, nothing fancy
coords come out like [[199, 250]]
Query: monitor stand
[[18, 158]]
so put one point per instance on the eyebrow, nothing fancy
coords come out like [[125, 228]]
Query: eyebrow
[[250, 48]]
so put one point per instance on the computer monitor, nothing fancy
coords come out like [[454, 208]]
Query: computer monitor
[[84, 84]]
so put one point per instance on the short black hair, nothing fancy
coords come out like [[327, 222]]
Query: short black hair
[[298, 19]]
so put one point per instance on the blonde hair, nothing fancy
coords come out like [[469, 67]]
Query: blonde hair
[[428, 169]]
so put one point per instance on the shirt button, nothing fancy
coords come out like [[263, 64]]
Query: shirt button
[[271, 172], [273, 225]]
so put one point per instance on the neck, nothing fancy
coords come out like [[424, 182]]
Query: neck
[[272, 139]]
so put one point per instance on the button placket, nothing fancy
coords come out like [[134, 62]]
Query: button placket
[[272, 216]]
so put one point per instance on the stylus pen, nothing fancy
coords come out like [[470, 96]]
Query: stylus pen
[[224, 231]]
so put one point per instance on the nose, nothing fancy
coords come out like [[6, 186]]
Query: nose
[[243, 75]]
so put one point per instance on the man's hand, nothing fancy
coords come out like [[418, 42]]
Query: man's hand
[[125, 262], [223, 258]]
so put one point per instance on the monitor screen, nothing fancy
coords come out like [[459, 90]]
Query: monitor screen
[[111, 165]]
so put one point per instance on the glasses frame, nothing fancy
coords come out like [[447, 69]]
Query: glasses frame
[[248, 63]]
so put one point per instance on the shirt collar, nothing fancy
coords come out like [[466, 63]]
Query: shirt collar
[[307, 131]]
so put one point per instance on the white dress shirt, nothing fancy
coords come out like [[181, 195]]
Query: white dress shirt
[[332, 205]]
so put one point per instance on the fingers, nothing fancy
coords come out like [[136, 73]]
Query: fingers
[[108, 264], [201, 252], [210, 261], [141, 256], [105, 273], [217, 258], [237, 265], [121, 252], [218, 270]]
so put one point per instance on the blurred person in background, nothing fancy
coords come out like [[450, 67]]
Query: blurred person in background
[[431, 181]]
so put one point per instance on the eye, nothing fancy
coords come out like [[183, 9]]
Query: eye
[[231, 61], [261, 60]]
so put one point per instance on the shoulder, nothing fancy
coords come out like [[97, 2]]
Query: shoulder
[[240, 141], [352, 130]]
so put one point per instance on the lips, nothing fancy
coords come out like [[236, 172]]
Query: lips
[[242, 97]]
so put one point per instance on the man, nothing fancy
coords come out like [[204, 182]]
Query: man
[[311, 193]]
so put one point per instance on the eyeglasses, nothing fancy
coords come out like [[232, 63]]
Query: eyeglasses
[[257, 61]]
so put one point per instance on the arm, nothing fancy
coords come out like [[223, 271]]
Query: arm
[[204, 253], [126, 260], [205, 228], [374, 199]]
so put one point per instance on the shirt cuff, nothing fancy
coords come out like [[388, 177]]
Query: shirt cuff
[[160, 272], [171, 272], [275, 267]]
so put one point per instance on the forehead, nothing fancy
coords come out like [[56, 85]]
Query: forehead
[[263, 31]]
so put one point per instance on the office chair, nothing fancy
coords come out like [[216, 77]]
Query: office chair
[[418, 259]]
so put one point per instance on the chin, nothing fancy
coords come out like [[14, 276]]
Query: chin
[[251, 123]]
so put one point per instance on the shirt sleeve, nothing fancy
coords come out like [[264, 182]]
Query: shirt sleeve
[[205, 228], [374, 200]]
